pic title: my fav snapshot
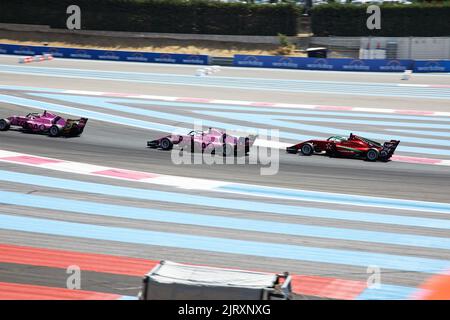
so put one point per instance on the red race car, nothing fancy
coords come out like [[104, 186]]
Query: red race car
[[352, 147]]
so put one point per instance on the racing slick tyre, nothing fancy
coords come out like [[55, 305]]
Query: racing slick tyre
[[372, 155], [54, 131], [210, 150], [166, 144], [74, 132], [307, 149], [4, 124], [384, 155], [228, 150]]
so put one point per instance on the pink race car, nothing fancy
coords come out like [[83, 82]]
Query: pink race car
[[47, 123], [212, 141]]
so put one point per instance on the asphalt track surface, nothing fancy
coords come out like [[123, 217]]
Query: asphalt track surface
[[123, 146]]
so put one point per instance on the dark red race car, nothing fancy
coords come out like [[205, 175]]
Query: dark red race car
[[352, 147]]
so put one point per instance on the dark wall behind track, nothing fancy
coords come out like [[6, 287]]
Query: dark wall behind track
[[162, 16], [421, 19]]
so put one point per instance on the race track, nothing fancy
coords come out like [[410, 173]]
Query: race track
[[325, 220]]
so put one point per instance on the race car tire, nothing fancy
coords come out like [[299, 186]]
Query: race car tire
[[372, 155], [54, 131], [75, 132], [166, 144], [384, 155], [307, 149], [4, 124], [228, 150], [210, 150]]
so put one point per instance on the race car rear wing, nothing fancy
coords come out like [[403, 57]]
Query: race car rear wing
[[388, 149], [78, 122], [74, 127], [82, 121]]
